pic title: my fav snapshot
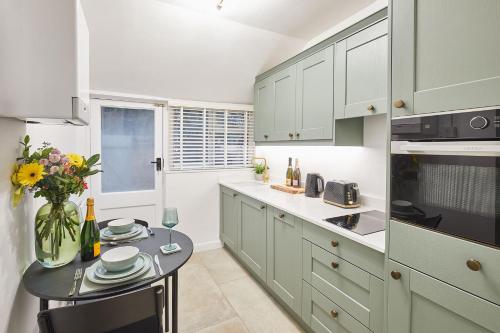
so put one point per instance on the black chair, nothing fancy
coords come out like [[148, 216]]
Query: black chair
[[136, 312], [104, 224]]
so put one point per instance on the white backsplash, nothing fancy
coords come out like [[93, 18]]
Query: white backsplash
[[364, 165]]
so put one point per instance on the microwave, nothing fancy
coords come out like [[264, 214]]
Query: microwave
[[445, 173]]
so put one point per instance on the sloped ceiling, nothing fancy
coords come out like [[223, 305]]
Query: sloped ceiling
[[296, 18]]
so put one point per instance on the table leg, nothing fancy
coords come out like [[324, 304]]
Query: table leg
[[167, 306], [175, 295], [44, 304]]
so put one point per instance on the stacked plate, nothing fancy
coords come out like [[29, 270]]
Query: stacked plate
[[119, 265], [121, 229]]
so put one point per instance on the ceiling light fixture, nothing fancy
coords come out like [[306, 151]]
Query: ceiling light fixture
[[219, 4]]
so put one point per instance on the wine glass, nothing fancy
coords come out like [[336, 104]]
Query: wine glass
[[170, 220]]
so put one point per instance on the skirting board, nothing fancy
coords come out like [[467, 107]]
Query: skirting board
[[207, 246]]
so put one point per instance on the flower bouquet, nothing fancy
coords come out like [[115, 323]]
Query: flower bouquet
[[55, 176]]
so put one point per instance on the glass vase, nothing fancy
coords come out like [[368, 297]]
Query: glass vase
[[57, 233]]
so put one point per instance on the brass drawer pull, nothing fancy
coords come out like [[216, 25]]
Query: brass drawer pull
[[399, 103], [335, 243], [334, 313], [235, 195], [396, 275], [297, 134], [370, 108], [290, 135], [266, 136], [263, 207], [281, 216], [335, 264], [474, 265]]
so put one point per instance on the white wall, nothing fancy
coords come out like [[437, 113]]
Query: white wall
[[18, 309], [158, 49], [365, 165]]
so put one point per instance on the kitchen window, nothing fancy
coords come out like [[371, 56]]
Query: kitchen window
[[207, 138]]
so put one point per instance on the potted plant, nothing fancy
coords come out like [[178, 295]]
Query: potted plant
[[49, 173], [259, 170]]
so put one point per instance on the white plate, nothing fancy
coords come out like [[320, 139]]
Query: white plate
[[90, 273], [102, 273], [106, 234]]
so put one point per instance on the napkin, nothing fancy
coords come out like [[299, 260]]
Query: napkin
[[88, 287]]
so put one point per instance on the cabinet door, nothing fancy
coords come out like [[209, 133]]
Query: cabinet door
[[445, 55], [252, 234], [314, 115], [228, 225], [418, 303], [283, 121], [263, 109], [361, 73], [284, 257]]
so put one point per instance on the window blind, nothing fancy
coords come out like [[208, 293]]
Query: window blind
[[205, 138]]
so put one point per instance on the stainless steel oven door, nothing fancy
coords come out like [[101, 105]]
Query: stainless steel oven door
[[450, 187]]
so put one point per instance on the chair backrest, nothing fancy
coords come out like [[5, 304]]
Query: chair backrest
[[138, 311], [104, 224]]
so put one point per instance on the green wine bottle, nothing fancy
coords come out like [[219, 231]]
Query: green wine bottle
[[289, 173], [90, 238]]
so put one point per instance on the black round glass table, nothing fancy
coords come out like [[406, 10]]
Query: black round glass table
[[55, 283]]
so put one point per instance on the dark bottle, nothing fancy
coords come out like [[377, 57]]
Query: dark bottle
[[90, 238], [296, 182], [289, 173]]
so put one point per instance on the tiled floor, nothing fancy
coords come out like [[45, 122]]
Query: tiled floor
[[216, 295]]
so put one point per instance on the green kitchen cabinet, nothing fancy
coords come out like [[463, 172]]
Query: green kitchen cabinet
[[228, 225], [283, 110], [361, 73], [314, 97], [251, 221], [263, 106], [284, 257], [445, 55], [418, 303]]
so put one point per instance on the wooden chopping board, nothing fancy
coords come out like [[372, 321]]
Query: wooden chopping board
[[288, 189]]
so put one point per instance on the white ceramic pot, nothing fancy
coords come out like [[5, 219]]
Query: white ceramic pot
[[259, 176]]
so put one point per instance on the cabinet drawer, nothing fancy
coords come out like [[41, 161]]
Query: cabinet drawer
[[357, 254], [445, 258], [354, 290], [325, 316]]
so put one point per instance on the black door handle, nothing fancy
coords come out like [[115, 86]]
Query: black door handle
[[158, 163]]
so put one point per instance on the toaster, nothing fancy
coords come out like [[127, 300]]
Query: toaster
[[342, 193]]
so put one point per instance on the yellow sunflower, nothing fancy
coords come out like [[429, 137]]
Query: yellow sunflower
[[30, 174], [75, 159]]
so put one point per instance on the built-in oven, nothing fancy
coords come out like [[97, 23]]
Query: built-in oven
[[445, 173]]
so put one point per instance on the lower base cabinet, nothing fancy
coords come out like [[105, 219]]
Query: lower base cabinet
[[284, 257], [251, 220], [418, 303]]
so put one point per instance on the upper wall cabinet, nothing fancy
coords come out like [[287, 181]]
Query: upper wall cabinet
[[263, 106], [44, 68], [283, 111], [314, 114], [361, 73], [445, 55]]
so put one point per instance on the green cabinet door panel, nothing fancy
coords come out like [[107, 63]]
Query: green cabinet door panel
[[263, 109], [283, 122], [445, 55], [251, 218], [323, 315], [228, 225], [284, 257], [361, 73], [314, 115], [418, 303]]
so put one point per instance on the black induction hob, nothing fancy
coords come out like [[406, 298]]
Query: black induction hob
[[361, 223]]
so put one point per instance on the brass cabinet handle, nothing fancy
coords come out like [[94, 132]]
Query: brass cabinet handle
[[396, 275], [399, 103], [334, 313], [263, 207], [335, 264], [297, 134], [290, 135], [473, 264], [235, 195], [281, 215], [266, 136], [370, 108], [335, 243]]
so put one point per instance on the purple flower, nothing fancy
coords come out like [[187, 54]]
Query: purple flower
[[44, 161], [54, 169], [55, 151], [64, 159], [54, 158]]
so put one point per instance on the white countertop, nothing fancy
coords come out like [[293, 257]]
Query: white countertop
[[312, 210]]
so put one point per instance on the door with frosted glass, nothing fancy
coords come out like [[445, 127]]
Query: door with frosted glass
[[128, 137]]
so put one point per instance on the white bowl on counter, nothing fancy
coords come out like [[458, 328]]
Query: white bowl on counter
[[120, 258], [121, 226]]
